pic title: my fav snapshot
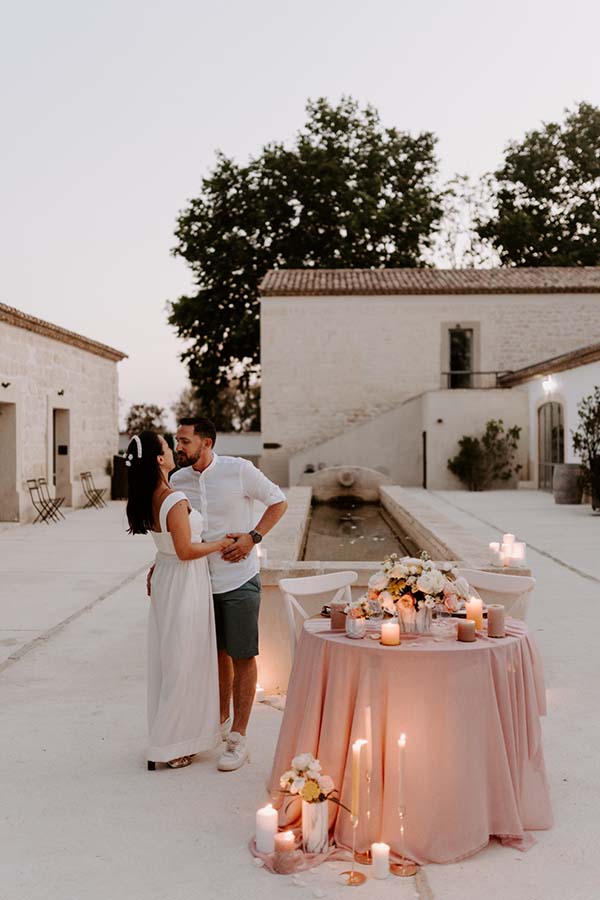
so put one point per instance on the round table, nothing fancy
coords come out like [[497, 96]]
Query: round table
[[474, 765]]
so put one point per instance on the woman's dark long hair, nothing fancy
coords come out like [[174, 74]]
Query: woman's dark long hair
[[143, 476]]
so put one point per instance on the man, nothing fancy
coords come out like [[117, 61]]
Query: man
[[223, 489]]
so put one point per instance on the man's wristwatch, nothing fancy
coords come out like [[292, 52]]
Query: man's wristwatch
[[256, 537]]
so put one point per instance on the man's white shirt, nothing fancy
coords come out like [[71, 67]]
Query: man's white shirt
[[225, 493]]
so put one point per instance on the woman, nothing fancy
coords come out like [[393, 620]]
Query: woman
[[183, 691]]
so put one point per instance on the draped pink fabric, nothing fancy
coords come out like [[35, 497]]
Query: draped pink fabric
[[471, 714]]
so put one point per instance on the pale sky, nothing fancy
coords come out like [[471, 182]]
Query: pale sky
[[111, 113]]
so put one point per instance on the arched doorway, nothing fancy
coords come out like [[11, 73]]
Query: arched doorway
[[551, 442]]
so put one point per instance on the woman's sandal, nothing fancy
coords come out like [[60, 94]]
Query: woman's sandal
[[179, 763]]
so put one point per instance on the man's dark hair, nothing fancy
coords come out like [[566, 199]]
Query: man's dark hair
[[204, 427]]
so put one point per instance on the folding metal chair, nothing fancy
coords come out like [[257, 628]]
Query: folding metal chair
[[45, 513], [93, 494], [54, 502]]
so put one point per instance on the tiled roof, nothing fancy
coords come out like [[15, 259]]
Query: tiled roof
[[343, 282], [30, 323], [571, 360]]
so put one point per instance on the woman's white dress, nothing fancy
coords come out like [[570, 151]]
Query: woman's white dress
[[183, 685]]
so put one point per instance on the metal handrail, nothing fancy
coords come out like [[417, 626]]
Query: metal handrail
[[470, 372]]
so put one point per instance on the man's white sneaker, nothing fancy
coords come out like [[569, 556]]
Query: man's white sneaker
[[235, 754], [226, 727]]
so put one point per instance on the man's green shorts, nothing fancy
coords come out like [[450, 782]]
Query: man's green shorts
[[236, 619]]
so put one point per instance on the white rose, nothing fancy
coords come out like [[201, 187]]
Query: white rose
[[399, 571], [378, 581], [286, 778], [429, 602], [425, 583], [326, 784], [303, 761], [297, 785]]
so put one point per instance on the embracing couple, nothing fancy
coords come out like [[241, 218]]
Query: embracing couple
[[204, 589]]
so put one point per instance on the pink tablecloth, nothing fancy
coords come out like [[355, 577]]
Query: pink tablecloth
[[474, 759]]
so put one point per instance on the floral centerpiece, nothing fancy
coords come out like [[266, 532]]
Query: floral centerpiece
[[306, 781], [412, 587]]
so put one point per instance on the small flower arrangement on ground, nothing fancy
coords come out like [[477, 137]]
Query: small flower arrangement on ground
[[413, 582], [307, 781], [366, 607]]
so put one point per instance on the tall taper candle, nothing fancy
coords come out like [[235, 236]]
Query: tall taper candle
[[369, 734], [401, 772], [355, 802]]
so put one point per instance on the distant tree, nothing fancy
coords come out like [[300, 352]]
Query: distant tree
[[457, 243], [233, 409], [548, 195], [348, 193], [144, 416]]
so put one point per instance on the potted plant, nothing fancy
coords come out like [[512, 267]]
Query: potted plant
[[482, 462], [586, 443]]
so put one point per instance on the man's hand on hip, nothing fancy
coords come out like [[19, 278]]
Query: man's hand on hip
[[240, 549]]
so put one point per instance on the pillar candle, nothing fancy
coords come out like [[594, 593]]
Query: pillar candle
[[355, 802], [284, 858], [338, 616], [390, 634], [466, 630], [474, 608], [284, 841], [505, 551], [508, 539], [496, 627], [402, 772], [266, 829], [380, 854], [494, 552], [517, 552]]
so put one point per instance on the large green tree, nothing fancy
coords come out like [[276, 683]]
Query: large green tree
[[548, 195], [348, 193]]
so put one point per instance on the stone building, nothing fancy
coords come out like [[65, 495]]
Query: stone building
[[554, 388], [58, 411], [388, 368]]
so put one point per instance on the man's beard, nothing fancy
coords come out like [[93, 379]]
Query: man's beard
[[185, 459]]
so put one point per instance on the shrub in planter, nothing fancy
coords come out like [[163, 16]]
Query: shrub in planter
[[586, 444], [482, 461]]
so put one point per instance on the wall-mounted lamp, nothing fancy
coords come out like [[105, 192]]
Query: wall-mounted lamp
[[61, 393], [6, 384], [549, 384]]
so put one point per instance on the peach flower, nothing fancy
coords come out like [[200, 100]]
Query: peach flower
[[407, 601]]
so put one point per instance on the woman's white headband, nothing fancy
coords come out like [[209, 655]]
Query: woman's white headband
[[129, 456]]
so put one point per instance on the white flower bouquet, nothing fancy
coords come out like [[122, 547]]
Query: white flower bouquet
[[414, 583], [306, 780]]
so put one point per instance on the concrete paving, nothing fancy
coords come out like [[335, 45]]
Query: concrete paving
[[81, 818]]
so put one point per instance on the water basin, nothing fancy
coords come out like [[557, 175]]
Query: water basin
[[353, 531]]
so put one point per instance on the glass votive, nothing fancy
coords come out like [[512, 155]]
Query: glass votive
[[444, 629]]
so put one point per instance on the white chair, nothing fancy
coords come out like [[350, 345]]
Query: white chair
[[512, 591], [311, 586]]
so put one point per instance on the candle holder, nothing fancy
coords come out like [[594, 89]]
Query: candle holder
[[366, 858], [352, 878], [406, 867]]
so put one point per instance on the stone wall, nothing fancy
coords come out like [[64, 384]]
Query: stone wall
[[43, 374], [330, 363]]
